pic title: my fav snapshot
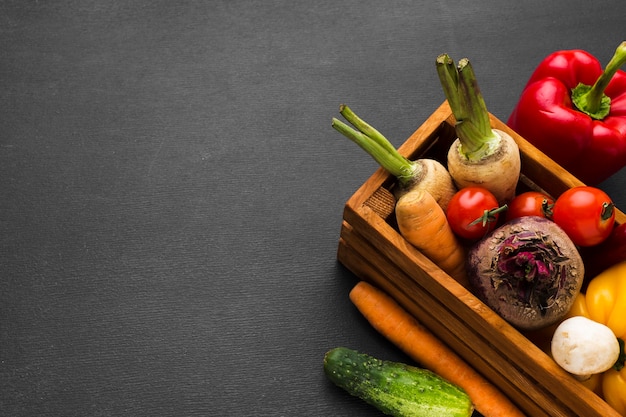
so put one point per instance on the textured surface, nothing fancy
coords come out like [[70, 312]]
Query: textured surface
[[171, 190]]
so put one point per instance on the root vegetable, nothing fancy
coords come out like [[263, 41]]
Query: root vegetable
[[425, 173], [528, 271], [481, 156], [423, 223], [584, 347]]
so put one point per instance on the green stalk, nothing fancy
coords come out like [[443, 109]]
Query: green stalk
[[591, 100], [474, 99], [449, 77], [366, 128], [473, 127], [381, 150]]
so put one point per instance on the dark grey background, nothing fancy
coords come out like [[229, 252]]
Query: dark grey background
[[171, 190]]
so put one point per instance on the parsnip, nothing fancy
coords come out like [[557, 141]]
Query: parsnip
[[481, 155]]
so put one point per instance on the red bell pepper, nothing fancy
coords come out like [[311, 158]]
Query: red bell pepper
[[575, 113]]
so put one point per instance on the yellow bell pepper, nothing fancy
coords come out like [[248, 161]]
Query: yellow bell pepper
[[604, 301]]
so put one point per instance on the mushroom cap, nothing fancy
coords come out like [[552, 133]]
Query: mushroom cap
[[584, 347]]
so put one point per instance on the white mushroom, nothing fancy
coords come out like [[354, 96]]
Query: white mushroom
[[584, 347]]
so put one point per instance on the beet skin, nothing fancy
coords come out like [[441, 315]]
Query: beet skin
[[528, 271]]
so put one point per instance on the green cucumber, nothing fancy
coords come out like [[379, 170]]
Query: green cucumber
[[395, 388]]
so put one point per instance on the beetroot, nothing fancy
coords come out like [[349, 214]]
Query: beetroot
[[528, 271]]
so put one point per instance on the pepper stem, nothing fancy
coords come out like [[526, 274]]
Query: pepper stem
[[473, 127], [377, 146], [591, 100]]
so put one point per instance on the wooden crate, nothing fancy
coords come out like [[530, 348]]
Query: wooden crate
[[372, 248]]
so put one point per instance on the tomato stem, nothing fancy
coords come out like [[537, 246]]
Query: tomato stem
[[546, 208], [607, 210], [489, 216]]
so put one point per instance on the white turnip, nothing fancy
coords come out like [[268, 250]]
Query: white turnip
[[528, 271]]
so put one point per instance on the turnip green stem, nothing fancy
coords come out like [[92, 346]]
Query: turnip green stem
[[473, 127], [385, 154], [591, 100], [365, 128]]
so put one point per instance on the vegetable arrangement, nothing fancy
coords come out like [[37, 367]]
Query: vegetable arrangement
[[531, 257], [576, 113]]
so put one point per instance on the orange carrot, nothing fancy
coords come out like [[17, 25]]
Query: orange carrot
[[403, 330], [423, 223]]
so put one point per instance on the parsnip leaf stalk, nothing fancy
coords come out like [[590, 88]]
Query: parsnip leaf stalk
[[424, 173], [481, 155]]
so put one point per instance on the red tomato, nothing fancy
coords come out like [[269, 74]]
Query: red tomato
[[530, 203], [472, 212], [586, 213]]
